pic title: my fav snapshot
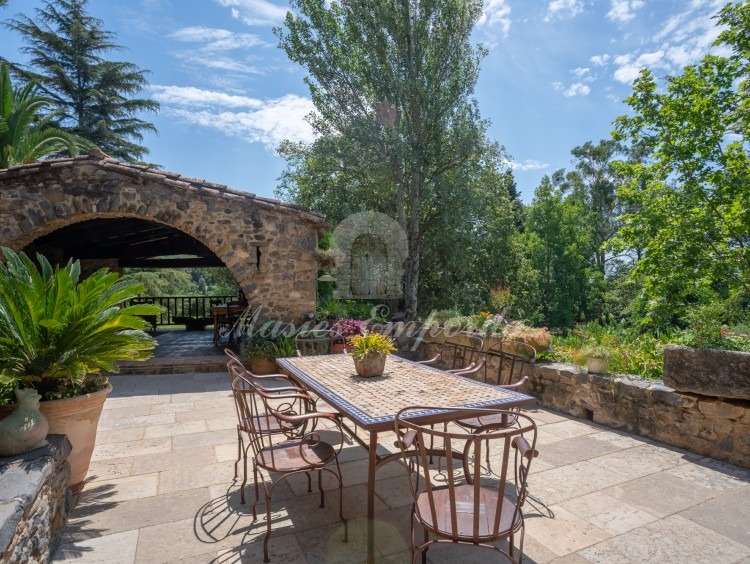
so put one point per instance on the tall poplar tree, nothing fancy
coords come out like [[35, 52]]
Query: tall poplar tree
[[394, 79], [95, 96]]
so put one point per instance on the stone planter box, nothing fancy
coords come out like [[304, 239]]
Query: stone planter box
[[709, 372]]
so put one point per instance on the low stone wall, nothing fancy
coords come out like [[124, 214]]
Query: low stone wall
[[34, 502], [709, 426]]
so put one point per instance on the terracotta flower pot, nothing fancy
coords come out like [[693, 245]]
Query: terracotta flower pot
[[371, 365], [77, 418]]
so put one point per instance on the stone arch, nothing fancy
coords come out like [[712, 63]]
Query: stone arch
[[238, 227]]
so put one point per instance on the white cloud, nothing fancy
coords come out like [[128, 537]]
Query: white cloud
[[255, 12], [628, 68], [528, 164], [211, 39], [600, 60], [191, 96], [563, 8], [496, 13], [217, 62], [581, 72], [575, 89], [267, 121], [622, 11], [683, 39]]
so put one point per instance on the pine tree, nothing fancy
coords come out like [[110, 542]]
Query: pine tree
[[67, 49]]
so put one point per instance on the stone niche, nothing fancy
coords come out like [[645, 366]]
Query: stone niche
[[717, 373], [34, 502]]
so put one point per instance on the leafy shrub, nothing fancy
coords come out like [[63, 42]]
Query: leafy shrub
[[631, 352], [259, 348]]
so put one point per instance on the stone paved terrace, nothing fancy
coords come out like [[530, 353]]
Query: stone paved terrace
[[161, 489]]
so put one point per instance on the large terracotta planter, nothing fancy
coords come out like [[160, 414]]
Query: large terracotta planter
[[77, 418], [370, 366]]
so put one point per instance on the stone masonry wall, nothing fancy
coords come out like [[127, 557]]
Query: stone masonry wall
[[34, 502], [269, 246], [705, 425]]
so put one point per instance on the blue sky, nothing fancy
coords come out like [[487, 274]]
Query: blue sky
[[555, 77]]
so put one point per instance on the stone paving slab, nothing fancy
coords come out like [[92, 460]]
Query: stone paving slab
[[162, 489]]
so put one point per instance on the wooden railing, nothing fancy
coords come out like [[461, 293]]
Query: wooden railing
[[183, 306]]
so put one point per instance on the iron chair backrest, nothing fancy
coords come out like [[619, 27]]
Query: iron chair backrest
[[454, 508], [508, 362], [291, 414], [461, 351], [315, 342]]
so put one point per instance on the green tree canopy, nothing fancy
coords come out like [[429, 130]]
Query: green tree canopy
[[557, 242], [392, 83], [691, 191], [95, 96], [27, 134]]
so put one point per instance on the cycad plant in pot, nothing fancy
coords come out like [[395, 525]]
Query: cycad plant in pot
[[58, 333]]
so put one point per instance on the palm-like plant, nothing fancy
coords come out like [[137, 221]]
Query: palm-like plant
[[26, 134], [57, 334]]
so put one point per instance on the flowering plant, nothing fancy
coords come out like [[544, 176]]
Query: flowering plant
[[371, 343], [349, 327]]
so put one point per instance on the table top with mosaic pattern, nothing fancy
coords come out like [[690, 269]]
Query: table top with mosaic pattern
[[373, 402]]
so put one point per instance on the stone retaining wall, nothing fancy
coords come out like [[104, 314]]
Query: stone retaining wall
[[34, 502], [711, 426], [706, 425]]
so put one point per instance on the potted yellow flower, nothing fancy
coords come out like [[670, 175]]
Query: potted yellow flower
[[370, 352]]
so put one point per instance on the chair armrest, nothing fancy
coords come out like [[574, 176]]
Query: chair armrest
[[473, 368], [270, 376], [278, 392], [430, 361], [520, 386], [524, 448], [307, 416]]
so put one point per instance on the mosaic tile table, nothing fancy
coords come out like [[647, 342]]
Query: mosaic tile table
[[372, 403]]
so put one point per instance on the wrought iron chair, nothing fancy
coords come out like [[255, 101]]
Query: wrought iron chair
[[289, 447], [478, 511], [315, 342], [459, 353], [510, 363], [273, 383]]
